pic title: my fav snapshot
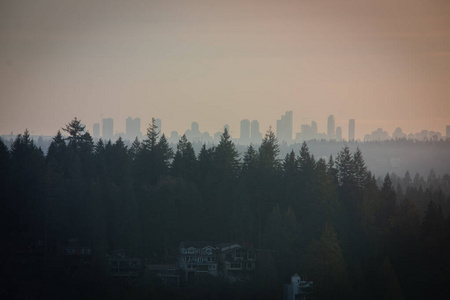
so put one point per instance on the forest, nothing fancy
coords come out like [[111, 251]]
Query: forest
[[330, 220]]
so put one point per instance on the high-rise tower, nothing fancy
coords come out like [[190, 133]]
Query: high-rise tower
[[351, 129], [245, 131], [96, 131], [284, 128], [158, 124], [339, 134], [133, 128], [107, 129], [330, 127], [256, 135]]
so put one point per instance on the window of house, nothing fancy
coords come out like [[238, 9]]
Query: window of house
[[69, 251], [212, 267], [235, 265]]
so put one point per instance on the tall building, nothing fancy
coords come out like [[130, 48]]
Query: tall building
[[245, 131], [447, 131], [314, 127], [96, 131], [284, 128], [132, 128], [351, 129], [339, 134], [174, 137], [194, 133], [306, 133], [330, 127], [158, 124], [256, 135], [195, 127], [107, 129]]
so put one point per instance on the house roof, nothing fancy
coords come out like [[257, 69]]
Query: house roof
[[226, 247], [197, 244], [161, 267]]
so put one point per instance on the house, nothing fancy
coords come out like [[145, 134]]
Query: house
[[75, 252], [169, 274], [298, 289], [120, 264], [198, 259], [236, 262], [228, 260]]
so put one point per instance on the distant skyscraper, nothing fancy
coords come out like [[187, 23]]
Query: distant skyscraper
[[217, 136], [108, 128], [306, 133], [245, 130], [194, 133], [96, 131], [284, 128], [195, 127], [447, 131], [174, 135], [351, 129], [314, 127], [256, 135], [330, 127], [158, 123], [133, 128], [339, 134]]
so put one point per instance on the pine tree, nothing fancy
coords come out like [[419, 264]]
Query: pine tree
[[135, 149], [226, 158], [184, 162], [76, 133], [360, 169], [268, 152], [325, 264], [164, 156]]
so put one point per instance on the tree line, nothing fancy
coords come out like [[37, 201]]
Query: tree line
[[328, 220]]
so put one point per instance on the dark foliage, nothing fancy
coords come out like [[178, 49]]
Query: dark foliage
[[330, 221]]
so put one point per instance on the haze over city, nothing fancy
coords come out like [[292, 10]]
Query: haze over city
[[384, 64], [232, 149]]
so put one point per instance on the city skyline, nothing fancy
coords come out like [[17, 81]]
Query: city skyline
[[249, 132], [384, 66], [252, 132]]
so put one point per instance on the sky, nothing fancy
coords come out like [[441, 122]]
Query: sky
[[384, 63]]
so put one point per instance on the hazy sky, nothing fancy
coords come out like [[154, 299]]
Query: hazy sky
[[384, 63]]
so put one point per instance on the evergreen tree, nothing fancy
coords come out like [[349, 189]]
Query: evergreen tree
[[360, 169], [135, 149], [76, 133], [27, 162], [184, 162], [325, 264], [388, 202], [250, 161], [226, 157], [268, 152], [164, 156]]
